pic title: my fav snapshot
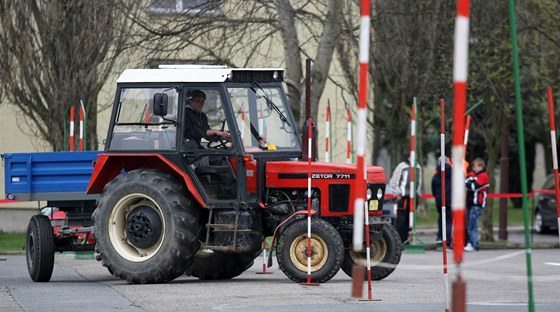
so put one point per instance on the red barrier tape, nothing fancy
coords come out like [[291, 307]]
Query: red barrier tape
[[491, 195], [7, 201]]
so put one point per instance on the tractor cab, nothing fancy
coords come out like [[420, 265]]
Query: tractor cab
[[156, 112]]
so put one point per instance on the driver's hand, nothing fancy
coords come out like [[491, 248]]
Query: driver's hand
[[224, 135]]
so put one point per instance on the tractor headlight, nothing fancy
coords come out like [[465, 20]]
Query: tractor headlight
[[379, 193]]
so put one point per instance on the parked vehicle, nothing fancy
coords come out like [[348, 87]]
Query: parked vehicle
[[545, 211], [160, 208], [390, 205]]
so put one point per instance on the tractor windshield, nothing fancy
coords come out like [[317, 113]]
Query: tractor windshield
[[263, 118]]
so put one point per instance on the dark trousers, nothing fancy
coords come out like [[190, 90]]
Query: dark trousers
[[403, 218]]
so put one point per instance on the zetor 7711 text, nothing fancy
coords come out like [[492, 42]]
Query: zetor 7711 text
[[162, 201]]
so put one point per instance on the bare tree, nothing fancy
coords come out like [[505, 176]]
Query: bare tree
[[410, 56], [54, 54], [243, 33]]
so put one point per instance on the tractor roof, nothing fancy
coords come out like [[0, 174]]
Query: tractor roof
[[200, 73]]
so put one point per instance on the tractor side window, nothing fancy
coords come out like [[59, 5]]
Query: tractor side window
[[136, 128]]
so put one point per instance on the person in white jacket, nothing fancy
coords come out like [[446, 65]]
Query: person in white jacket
[[400, 187]]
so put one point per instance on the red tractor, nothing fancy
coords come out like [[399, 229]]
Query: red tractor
[[168, 207]]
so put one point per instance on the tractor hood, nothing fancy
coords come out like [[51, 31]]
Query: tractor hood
[[278, 172]]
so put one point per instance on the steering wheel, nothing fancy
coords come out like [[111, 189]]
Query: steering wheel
[[216, 142]]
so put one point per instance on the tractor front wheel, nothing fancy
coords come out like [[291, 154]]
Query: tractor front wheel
[[146, 227], [327, 251], [385, 255]]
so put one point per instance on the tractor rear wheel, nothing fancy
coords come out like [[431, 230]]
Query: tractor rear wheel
[[385, 255], [39, 248], [327, 251], [146, 227], [221, 265]]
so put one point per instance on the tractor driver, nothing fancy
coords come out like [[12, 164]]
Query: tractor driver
[[196, 128], [196, 122]]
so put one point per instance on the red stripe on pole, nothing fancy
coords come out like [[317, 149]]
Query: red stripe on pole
[[363, 85], [365, 8], [550, 109], [463, 8], [459, 96]]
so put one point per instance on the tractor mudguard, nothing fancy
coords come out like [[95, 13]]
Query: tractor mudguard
[[108, 166]]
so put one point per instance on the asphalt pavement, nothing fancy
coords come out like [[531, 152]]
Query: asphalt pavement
[[495, 280], [495, 276]]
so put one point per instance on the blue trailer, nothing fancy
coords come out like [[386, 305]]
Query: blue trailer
[[48, 176], [60, 179]]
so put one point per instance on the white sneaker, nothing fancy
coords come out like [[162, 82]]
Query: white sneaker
[[469, 247]]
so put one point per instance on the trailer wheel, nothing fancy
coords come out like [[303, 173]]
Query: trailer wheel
[[146, 227], [385, 255], [221, 265], [39, 248], [327, 251]]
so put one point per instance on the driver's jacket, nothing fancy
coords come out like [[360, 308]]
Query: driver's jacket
[[196, 127]]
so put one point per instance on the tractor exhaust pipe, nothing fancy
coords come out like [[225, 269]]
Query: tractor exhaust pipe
[[305, 127]]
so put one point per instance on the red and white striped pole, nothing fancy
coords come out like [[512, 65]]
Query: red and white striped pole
[[327, 132], [71, 136], [443, 203], [467, 130], [264, 259], [412, 169], [309, 156], [360, 182], [349, 136], [460, 71], [368, 251], [554, 154], [81, 141]]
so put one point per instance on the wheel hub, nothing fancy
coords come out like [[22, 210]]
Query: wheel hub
[[143, 227], [319, 253]]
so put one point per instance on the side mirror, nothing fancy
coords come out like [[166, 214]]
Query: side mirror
[[160, 104]]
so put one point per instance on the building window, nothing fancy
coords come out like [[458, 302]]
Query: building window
[[192, 7]]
